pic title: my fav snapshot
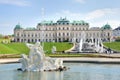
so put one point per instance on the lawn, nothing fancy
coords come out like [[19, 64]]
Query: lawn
[[113, 45], [20, 48], [60, 46], [13, 48]]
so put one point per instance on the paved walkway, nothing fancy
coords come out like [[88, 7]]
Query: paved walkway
[[93, 60], [76, 59], [117, 55], [9, 60]]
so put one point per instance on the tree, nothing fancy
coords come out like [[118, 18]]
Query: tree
[[1, 36], [117, 39]]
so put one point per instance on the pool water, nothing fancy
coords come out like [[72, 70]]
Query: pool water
[[77, 71]]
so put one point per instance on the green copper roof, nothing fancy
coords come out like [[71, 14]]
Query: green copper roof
[[46, 23], [30, 28], [18, 26], [81, 22], [106, 26], [63, 20]]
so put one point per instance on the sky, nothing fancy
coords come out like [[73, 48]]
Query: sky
[[28, 13]]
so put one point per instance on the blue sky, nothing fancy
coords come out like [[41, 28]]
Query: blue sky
[[29, 12]]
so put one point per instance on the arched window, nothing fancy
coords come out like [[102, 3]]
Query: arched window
[[79, 28], [108, 34], [46, 35], [24, 35], [67, 34], [49, 34], [28, 40], [28, 35], [35, 40], [32, 40], [59, 34], [17, 34], [35, 35], [63, 34], [59, 28], [32, 35], [83, 28], [67, 28]]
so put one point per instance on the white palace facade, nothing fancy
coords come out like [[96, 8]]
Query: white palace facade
[[61, 31]]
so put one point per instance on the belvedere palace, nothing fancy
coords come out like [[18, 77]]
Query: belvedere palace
[[62, 31]]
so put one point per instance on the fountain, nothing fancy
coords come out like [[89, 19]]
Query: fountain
[[87, 45], [37, 61]]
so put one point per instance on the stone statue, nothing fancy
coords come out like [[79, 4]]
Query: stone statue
[[36, 60], [53, 49]]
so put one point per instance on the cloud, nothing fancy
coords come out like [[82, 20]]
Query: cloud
[[93, 15], [112, 23], [80, 1], [15, 2], [69, 15], [96, 18], [100, 13]]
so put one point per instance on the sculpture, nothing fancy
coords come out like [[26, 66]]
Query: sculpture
[[92, 45], [53, 49], [36, 60]]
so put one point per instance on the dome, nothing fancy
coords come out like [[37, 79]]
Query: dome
[[18, 26], [107, 26]]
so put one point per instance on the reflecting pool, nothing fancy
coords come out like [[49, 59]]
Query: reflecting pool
[[77, 71]]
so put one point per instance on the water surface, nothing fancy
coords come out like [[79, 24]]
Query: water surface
[[77, 71]]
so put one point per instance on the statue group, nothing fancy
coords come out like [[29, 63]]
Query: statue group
[[37, 61]]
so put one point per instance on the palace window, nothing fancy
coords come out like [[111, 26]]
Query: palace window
[[24, 35], [67, 28], [59, 28], [50, 35], [35, 35], [63, 34], [28, 35], [46, 35], [108, 34], [59, 34], [32, 35], [32, 40], [17, 34], [63, 28], [67, 34]]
